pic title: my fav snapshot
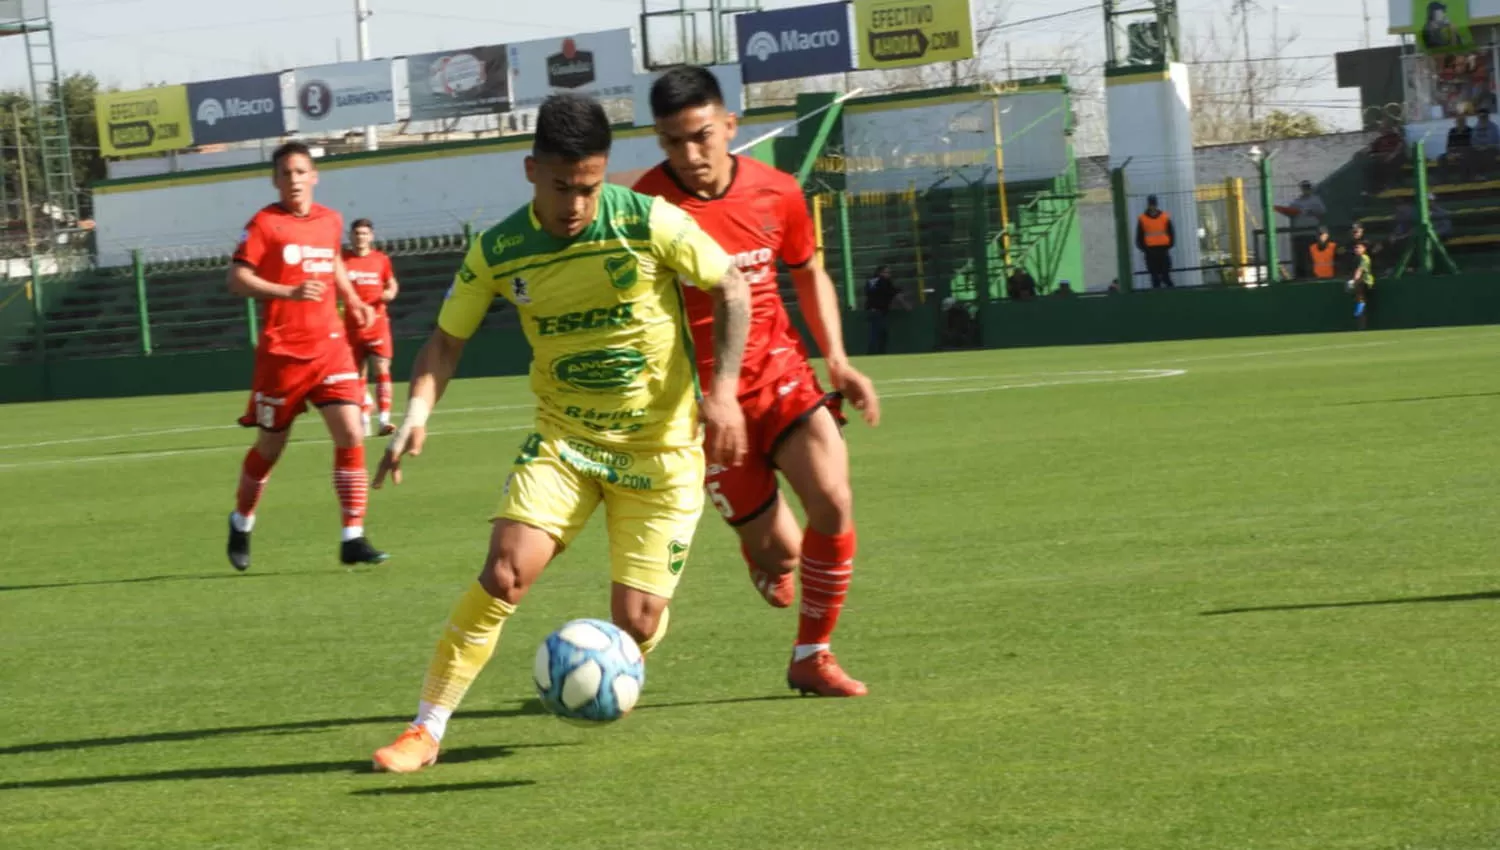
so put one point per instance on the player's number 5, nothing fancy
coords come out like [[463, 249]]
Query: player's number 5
[[720, 500]]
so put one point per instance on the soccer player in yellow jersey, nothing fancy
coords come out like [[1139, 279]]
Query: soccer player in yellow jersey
[[593, 270]]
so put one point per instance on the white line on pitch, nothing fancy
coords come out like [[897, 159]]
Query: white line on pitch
[[69, 461], [194, 429]]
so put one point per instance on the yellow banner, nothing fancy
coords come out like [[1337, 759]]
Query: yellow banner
[[145, 121], [899, 33]]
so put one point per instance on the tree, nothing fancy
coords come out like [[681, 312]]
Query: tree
[[1296, 124], [1233, 98], [77, 93]]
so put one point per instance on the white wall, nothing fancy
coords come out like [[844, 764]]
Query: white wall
[[890, 149], [436, 191], [411, 194], [1400, 12]]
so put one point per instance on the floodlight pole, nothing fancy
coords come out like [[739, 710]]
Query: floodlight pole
[[362, 15]]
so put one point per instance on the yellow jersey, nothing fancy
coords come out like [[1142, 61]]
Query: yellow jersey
[[612, 359]]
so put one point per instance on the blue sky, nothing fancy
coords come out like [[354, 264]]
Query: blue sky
[[131, 42]]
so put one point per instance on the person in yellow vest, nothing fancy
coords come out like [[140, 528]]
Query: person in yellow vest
[[1323, 253], [1155, 237]]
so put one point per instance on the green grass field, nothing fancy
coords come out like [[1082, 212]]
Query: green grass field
[[1226, 594]]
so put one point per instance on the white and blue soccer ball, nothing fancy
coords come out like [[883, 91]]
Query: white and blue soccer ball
[[589, 671]]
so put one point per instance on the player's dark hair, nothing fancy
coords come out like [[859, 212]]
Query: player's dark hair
[[684, 87], [290, 149], [361, 222], [571, 127]]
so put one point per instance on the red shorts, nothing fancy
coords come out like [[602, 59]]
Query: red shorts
[[374, 341], [283, 387], [772, 413]]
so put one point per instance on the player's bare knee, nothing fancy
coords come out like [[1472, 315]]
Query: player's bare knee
[[502, 578], [270, 444], [639, 614], [831, 510]]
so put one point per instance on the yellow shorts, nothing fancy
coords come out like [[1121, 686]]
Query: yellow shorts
[[652, 502]]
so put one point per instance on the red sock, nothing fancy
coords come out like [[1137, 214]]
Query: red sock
[[827, 564], [352, 483], [383, 393], [254, 473]]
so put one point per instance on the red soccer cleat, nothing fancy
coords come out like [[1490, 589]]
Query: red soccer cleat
[[820, 675], [778, 589]]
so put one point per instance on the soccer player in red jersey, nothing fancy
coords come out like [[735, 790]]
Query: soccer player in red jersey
[[289, 260], [375, 282], [758, 215]]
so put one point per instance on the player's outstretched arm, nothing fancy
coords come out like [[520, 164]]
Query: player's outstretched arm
[[819, 302], [721, 407], [434, 368]]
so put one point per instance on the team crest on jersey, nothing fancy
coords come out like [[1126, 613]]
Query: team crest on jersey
[[623, 270], [291, 254], [518, 290]]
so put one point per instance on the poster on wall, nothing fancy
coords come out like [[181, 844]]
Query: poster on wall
[[900, 33], [345, 95], [786, 44], [144, 121], [455, 83], [1442, 26], [601, 64]]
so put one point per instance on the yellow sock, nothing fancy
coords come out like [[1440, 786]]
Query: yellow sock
[[661, 632], [468, 641]]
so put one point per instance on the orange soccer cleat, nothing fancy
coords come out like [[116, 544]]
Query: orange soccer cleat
[[778, 589], [820, 675], [412, 751]]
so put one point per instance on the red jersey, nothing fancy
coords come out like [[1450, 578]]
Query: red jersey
[[287, 249], [760, 218], [369, 274]]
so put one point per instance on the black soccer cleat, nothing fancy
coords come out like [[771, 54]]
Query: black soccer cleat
[[239, 548], [359, 551]]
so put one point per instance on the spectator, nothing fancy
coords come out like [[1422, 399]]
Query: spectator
[[1155, 237], [1064, 290], [1357, 237], [1020, 286], [1385, 157], [1484, 140], [1306, 213], [1114, 287], [1322, 254], [880, 294], [1456, 162]]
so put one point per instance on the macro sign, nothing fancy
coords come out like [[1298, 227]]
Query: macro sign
[[236, 110], [144, 121], [787, 44], [899, 33]]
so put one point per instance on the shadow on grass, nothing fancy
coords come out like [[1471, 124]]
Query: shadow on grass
[[528, 708], [1446, 397], [1316, 606], [457, 756], [144, 580], [443, 789]]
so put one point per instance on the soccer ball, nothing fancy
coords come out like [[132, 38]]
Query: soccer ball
[[589, 672]]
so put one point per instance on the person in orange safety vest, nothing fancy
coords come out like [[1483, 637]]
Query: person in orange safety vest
[[1155, 237], [1322, 254]]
